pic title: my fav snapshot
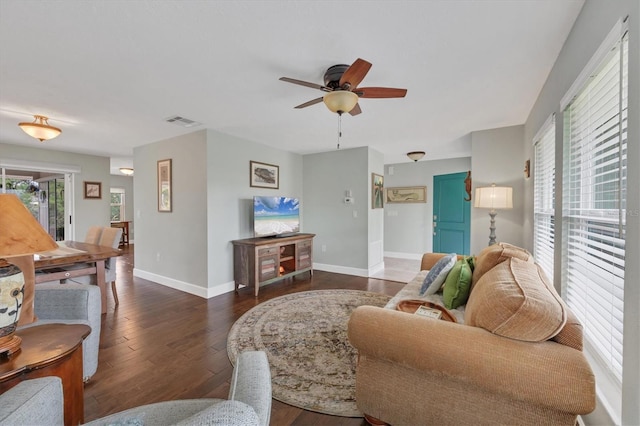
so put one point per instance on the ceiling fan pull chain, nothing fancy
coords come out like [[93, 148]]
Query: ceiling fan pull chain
[[339, 128]]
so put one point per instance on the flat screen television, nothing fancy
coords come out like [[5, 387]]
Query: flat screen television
[[275, 216]]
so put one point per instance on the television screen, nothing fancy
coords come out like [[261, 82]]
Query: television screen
[[275, 216]]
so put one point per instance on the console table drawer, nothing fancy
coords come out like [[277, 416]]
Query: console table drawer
[[269, 251]]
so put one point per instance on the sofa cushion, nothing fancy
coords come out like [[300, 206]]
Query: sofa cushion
[[516, 300], [495, 254], [457, 285], [436, 276]]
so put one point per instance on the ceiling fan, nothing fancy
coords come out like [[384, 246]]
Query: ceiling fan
[[341, 84]]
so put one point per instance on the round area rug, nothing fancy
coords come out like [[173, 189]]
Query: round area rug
[[305, 338]]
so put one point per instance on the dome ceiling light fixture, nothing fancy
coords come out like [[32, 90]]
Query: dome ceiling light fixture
[[415, 155], [40, 128], [340, 101], [126, 171]]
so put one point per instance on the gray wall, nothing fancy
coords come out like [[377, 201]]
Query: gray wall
[[375, 225], [126, 182], [595, 21], [171, 247], [408, 227], [93, 168], [497, 157], [230, 198], [342, 240]]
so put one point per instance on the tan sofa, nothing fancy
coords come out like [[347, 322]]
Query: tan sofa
[[521, 361]]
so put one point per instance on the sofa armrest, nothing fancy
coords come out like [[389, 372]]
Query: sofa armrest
[[546, 373], [251, 383], [33, 402]]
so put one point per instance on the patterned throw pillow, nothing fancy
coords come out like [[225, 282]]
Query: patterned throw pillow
[[436, 276]]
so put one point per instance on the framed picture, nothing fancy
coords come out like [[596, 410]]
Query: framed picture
[[406, 194], [164, 186], [262, 175], [377, 191], [92, 190]]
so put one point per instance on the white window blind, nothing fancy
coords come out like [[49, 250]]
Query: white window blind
[[594, 209], [544, 189]]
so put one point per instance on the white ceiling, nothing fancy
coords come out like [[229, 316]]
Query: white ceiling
[[109, 72]]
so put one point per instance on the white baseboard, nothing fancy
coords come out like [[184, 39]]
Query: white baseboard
[[341, 269], [196, 290], [398, 255], [376, 268]]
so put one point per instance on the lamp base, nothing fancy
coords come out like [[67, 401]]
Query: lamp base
[[9, 345]]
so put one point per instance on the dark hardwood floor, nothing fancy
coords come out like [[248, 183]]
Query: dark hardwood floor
[[162, 344]]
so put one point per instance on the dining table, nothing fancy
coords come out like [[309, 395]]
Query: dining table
[[74, 259]]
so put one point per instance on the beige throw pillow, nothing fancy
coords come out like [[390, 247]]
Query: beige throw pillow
[[516, 300], [495, 254]]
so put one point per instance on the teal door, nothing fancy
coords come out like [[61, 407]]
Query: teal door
[[451, 214]]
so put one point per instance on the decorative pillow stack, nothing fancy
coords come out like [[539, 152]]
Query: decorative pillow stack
[[457, 285], [437, 275]]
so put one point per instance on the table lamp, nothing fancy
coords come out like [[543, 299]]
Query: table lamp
[[494, 197], [20, 237]]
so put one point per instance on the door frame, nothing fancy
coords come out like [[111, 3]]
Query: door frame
[[67, 170]]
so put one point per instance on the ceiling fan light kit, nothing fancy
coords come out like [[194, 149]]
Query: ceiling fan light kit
[[40, 128], [340, 101], [341, 84], [415, 155]]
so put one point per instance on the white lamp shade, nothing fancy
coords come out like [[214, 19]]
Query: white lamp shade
[[494, 197], [340, 101]]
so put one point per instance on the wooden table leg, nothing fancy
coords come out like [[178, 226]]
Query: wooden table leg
[[101, 284]]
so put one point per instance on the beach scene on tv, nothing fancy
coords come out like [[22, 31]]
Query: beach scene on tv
[[275, 216]]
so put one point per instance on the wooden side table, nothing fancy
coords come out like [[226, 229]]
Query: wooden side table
[[50, 350], [124, 240]]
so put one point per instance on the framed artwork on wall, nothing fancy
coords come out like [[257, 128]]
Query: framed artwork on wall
[[164, 186], [262, 175], [92, 190], [377, 191], [406, 194]]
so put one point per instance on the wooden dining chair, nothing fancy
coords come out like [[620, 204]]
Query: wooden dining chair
[[108, 237], [93, 235], [111, 237]]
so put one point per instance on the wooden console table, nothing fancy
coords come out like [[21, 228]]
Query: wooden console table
[[50, 350], [259, 261], [124, 240]]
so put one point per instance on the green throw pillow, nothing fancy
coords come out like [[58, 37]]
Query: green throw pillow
[[457, 285]]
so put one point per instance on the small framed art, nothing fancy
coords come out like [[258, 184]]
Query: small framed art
[[92, 190], [164, 186], [262, 175], [377, 191], [407, 194]]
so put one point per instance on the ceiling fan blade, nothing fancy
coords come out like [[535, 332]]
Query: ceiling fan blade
[[305, 83], [312, 102], [380, 92], [356, 110], [355, 73]]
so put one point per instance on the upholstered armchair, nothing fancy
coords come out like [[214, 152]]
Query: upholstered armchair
[[40, 401], [71, 303]]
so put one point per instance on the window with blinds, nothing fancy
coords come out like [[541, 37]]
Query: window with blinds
[[544, 191], [593, 210]]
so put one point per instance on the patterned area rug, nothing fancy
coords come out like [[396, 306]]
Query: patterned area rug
[[305, 338]]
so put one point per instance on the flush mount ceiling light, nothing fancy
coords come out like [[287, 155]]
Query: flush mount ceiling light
[[415, 155], [40, 128], [126, 171], [340, 101]]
